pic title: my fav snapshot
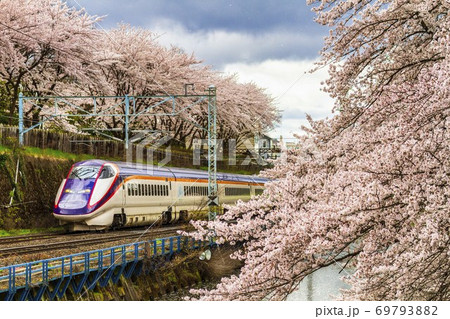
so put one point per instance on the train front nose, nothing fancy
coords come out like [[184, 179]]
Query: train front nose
[[84, 189], [75, 197]]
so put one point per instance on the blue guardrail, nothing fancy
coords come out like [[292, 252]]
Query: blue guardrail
[[54, 276]]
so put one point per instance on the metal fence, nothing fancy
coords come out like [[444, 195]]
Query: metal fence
[[50, 278]]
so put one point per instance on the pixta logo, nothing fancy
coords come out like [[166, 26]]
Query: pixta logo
[[152, 150]]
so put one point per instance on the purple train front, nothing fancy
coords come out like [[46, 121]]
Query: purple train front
[[98, 194]]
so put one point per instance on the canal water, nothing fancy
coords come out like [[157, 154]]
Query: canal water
[[322, 285]]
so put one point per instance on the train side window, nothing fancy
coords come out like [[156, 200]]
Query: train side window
[[146, 189], [152, 190], [233, 191], [129, 189]]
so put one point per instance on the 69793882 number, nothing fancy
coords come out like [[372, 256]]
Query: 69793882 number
[[406, 310]]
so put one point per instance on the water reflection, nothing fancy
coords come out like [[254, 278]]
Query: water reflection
[[323, 284]]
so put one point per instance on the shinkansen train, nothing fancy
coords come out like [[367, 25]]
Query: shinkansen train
[[97, 195]]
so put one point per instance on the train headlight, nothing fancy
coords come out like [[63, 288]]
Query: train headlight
[[84, 191], [68, 191]]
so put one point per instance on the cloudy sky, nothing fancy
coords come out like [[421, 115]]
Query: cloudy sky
[[273, 43]]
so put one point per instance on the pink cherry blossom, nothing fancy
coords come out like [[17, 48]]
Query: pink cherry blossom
[[369, 188]]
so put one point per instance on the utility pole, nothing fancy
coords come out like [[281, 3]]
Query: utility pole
[[212, 154]]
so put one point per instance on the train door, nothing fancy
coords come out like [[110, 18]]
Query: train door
[[124, 195], [120, 220]]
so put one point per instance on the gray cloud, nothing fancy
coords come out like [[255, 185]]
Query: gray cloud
[[233, 15], [220, 47], [257, 30]]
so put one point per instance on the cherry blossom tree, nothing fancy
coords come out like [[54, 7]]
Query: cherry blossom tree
[[44, 44], [369, 188], [134, 63]]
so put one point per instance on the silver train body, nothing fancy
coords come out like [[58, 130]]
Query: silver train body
[[97, 195]]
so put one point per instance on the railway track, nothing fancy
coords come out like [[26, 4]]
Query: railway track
[[76, 243], [32, 237]]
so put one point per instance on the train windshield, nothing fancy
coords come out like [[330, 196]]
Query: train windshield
[[84, 172]]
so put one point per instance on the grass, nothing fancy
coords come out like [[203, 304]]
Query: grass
[[48, 152], [51, 153], [17, 232]]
